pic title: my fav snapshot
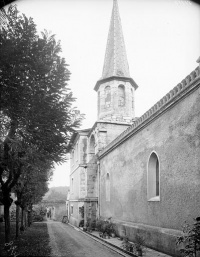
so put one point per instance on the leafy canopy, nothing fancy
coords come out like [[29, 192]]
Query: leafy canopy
[[36, 104]]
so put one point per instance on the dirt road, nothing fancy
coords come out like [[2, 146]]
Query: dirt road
[[66, 241]]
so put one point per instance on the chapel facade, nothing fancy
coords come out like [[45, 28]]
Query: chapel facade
[[143, 172]]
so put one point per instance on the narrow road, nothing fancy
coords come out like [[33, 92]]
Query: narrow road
[[66, 241]]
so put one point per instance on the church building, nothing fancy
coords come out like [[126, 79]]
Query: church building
[[143, 172]]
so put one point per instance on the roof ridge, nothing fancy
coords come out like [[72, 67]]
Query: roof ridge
[[176, 91]]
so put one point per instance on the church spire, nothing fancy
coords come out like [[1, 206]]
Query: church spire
[[115, 62], [116, 88]]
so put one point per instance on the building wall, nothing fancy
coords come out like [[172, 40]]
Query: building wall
[[60, 211], [114, 112], [75, 184], [73, 213], [92, 187], [82, 183], [175, 137], [104, 133], [78, 178]]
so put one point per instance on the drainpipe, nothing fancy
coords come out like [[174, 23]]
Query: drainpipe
[[99, 191]]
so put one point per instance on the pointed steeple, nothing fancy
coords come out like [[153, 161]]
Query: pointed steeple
[[115, 62]]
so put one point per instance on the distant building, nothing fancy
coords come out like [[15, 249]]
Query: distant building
[[143, 172]]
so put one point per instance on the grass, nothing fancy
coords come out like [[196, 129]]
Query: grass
[[34, 241]]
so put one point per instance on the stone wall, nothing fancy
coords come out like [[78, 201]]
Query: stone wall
[[174, 134], [116, 113]]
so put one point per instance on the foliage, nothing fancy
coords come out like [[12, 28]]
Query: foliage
[[39, 209], [11, 249], [136, 247], [36, 112], [126, 245], [190, 239], [81, 223], [99, 224], [81, 211], [32, 185], [56, 194], [139, 242], [106, 227], [37, 218]]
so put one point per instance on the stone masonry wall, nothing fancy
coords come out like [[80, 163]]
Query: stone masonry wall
[[116, 113], [175, 137]]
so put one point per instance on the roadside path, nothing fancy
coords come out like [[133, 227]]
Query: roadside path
[[65, 241]]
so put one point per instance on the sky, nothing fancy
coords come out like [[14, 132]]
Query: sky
[[162, 39]]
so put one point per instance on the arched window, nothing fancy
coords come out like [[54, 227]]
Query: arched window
[[132, 99], [153, 187], [121, 95], [107, 97], [91, 149], [108, 187]]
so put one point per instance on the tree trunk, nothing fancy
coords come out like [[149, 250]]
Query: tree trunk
[[22, 220], [7, 222], [7, 201], [31, 215], [17, 220], [25, 218]]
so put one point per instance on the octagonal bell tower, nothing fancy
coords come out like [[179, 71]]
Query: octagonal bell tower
[[116, 88]]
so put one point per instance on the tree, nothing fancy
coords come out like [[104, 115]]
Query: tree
[[36, 104], [30, 189], [190, 240]]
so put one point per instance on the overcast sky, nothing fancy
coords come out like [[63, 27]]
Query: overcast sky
[[162, 39]]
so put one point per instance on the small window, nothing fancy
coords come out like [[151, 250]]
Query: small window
[[108, 187], [121, 95], [107, 97], [132, 99], [153, 186], [91, 149], [72, 209]]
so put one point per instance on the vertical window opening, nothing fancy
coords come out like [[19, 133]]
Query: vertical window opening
[[91, 152], [157, 178], [153, 186], [132, 99], [121, 95], [107, 97]]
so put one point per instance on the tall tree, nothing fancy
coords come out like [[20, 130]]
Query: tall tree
[[30, 188], [36, 104]]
